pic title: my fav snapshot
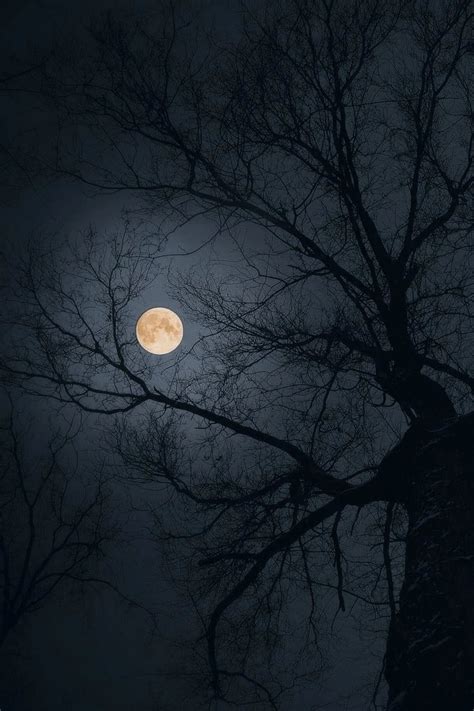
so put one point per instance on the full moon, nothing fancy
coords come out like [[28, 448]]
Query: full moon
[[159, 331]]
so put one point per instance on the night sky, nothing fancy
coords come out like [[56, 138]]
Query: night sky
[[89, 650]]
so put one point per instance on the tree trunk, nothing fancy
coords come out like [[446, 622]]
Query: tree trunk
[[430, 648]]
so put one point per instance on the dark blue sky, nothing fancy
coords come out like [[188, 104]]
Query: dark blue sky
[[91, 653]]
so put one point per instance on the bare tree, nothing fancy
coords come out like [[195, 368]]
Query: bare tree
[[333, 144], [56, 527]]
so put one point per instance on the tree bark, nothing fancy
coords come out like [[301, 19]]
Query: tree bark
[[430, 648]]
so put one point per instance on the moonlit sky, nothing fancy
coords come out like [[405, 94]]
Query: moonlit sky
[[91, 653]]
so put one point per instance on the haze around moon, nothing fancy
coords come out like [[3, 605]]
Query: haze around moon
[[159, 330]]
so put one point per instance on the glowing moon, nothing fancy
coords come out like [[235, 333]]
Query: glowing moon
[[159, 331]]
